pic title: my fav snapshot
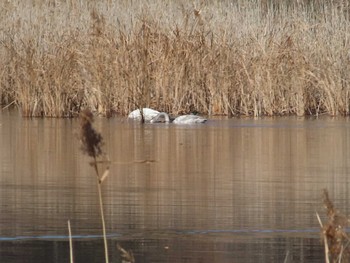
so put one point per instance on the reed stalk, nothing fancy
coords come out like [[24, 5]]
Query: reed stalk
[[70, 243], [99, 184], [324, 240], [91, 145]]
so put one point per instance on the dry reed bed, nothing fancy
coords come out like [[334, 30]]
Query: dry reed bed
[[251, 59]]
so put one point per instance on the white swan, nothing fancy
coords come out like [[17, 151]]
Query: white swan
[[148, 114], [184, 119]]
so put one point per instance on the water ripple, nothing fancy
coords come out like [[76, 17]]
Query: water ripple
[[183, 232]]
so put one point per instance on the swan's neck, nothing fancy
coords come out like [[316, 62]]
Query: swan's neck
[[161, 115], [165, 116]]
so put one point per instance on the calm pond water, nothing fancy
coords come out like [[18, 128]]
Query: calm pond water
[[230, 190]]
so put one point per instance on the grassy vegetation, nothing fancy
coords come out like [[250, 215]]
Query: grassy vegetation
[[249, 58]]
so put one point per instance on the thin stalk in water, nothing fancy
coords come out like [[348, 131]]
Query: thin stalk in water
[[91, 145]]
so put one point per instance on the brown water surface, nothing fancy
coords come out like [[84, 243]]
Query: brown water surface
[[230, 190]]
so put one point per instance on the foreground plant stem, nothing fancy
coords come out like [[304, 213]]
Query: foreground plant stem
[[91, 145], [99, 184]]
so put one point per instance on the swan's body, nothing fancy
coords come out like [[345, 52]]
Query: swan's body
[[184, 119], [189, 119], [148, 114]]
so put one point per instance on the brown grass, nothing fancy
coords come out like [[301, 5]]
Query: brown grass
[[214, 57]]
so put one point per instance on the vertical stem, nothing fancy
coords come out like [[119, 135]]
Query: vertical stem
[[103, 221], [70, 243], [101, 209]]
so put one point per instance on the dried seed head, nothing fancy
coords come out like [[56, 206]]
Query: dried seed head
[[334, 231], [91, 140]]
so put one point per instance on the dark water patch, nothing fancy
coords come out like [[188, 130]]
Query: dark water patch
[[177, 249]]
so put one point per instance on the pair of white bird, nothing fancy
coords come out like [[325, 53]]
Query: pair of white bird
[[154, 116]]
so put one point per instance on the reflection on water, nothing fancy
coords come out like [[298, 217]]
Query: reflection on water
[[237, 190]]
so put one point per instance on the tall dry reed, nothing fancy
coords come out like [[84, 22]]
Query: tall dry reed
[[91, 142], [215, 57]]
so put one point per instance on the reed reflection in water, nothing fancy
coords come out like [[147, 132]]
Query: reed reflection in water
[[238, 190]]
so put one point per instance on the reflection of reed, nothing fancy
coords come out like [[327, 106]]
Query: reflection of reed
[[220, 177], [208, 177]]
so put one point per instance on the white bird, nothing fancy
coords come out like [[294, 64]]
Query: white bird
[[148, 114], [184, 119]]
